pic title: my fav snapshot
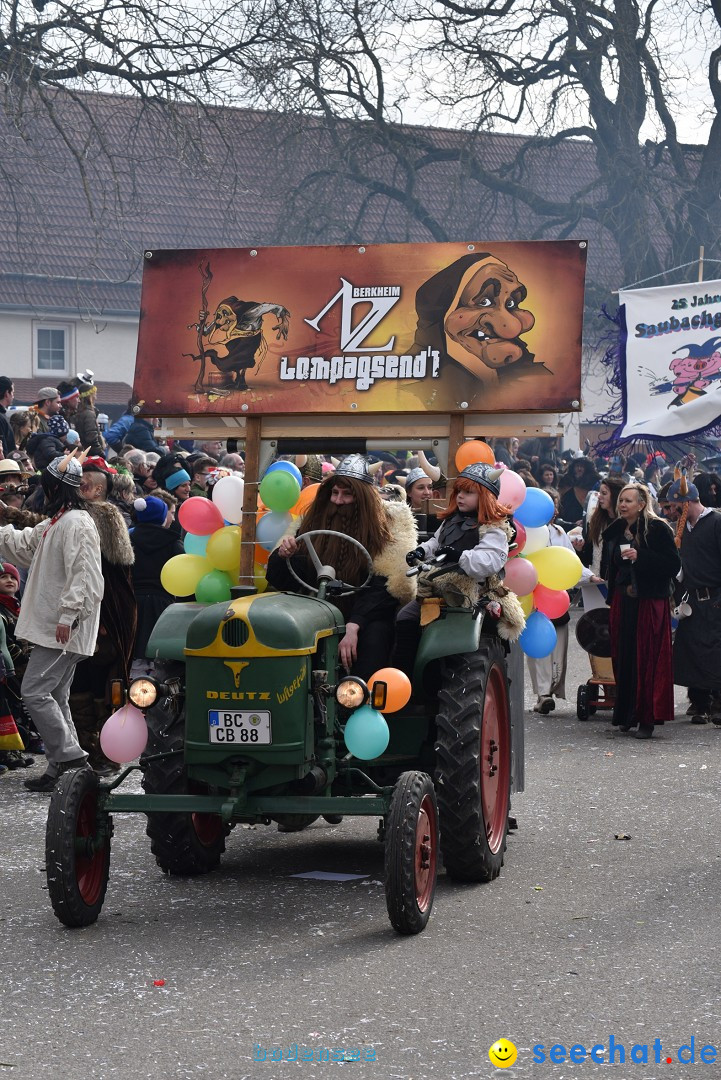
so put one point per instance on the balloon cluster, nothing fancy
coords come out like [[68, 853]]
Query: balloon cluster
[[537, 573], [366, 731], [211, 562]]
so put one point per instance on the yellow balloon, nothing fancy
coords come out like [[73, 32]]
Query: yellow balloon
[[526, 603], [181, 574], [259, 579], [223, 548], [558, 568]]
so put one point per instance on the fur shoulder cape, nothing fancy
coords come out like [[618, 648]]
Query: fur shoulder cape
[[391, 563], [115, 544]]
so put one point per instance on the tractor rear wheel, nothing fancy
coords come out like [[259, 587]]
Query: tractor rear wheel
[[411, 852], [473, 762], [185, 843], [77, 849]]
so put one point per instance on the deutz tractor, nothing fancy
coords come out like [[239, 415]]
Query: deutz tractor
[[246, 715]]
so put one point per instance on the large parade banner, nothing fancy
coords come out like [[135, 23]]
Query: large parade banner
[[388, 328], [672, 360]]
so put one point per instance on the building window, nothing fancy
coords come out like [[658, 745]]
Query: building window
[[52, 349]]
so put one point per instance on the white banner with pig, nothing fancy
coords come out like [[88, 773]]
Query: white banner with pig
[[672, 376]]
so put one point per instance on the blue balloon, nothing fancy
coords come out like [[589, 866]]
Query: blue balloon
[[539, 637], [286, 466], [196, 545], [536, 509], [270, 528], [366, 733]]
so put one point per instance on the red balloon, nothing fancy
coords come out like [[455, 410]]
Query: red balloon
[[551, 602], [520, 538], [200, 516]]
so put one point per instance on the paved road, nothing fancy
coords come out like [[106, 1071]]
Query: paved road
[[583, 936]]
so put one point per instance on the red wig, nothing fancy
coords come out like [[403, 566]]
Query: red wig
[[490, 511]]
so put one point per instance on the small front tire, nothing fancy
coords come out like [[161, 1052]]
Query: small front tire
[[77, 849], [411, 852]]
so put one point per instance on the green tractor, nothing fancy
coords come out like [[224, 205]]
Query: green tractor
[[246, 719]]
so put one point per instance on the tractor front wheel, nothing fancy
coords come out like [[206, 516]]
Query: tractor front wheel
[[473, 762], [77, 849], [411, 852]]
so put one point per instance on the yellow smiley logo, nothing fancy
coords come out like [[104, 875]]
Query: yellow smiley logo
[[503, 1053]]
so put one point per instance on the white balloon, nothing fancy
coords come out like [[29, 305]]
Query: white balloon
[[228, 497], [536, 539]]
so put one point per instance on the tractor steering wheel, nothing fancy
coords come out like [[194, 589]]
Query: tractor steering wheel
[[345, 589]]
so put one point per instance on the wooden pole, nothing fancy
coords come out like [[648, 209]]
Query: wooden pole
[[250, 498], [455, 439], [700, 262]]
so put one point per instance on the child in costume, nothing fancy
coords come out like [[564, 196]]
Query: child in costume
[[475, 536], [11, 741]]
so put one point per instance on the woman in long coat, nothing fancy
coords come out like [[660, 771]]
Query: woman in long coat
[[640, 563]]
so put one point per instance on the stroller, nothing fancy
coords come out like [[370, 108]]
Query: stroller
[[599, 692]]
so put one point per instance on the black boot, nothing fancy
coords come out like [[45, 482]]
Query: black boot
[[408, 636]]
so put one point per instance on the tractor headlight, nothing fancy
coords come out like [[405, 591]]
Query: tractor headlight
[[143, 692], [351, 692]]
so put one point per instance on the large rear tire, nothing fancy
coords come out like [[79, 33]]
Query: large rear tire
[[187, 843], [411, 852], [77, 849], [473, 762]]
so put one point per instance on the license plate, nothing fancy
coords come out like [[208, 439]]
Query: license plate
[[247, 728]]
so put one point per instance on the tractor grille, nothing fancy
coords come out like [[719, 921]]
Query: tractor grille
[[235, 633]]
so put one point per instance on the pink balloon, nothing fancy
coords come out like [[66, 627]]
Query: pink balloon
[[521, 577], [200, 516], [520, 538], [551, 602], [124, 735], [513, 489]]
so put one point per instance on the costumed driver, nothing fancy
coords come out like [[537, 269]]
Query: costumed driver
[[60, 613], [348, 502]]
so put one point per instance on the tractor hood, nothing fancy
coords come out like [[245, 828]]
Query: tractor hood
[[258, 625]]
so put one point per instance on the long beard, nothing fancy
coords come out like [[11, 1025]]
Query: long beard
[[346, 559]]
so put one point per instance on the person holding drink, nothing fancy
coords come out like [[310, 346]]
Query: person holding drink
[[640, 563]]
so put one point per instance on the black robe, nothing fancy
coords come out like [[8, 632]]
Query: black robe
[[697, 644]]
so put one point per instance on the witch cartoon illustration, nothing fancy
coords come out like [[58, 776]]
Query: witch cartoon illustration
[[233, 339]]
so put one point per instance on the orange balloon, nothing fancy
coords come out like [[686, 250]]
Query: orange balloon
[[305, 499], [261, 555], [399, 688], [470, 453]]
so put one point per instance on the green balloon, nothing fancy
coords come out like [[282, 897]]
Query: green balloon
[[213, 588], [279, 490]]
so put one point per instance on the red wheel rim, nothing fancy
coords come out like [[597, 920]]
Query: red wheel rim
[[208, 828], [89, 869], [426, 853], [495, 759]]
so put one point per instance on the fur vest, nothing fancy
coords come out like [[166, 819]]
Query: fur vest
[[391, 562], [460, 590]]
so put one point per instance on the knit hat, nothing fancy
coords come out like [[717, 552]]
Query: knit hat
[[176, 479], [8, 568], [485, 475], [150, 511], [46, 393]]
